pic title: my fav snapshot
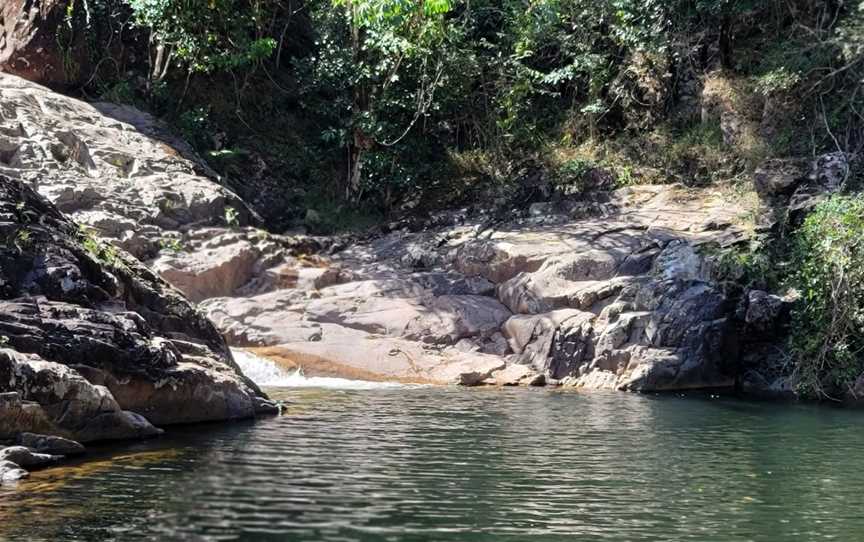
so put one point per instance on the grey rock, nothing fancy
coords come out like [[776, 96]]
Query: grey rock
[[763, 310], [25, 458], [777, 176], [61, 306], [49, 444]]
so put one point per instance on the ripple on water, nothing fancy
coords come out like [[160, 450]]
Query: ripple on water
[[414, 464]]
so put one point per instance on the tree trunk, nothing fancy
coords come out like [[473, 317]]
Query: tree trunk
[[726, 45], [359, 108]]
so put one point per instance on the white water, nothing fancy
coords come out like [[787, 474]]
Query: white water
[[267, 373]]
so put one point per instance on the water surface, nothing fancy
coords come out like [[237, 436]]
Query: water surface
[[428, 463]]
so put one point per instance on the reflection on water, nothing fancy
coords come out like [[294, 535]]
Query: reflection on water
[[447, 464]]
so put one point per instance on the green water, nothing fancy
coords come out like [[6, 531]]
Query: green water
[[442, 464]]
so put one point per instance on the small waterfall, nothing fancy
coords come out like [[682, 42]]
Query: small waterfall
[[267, 373]]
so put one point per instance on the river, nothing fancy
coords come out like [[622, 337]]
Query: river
[[374, 462]]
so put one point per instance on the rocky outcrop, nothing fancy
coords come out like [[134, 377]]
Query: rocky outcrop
[[790, 188], [619, 296], [112, 169], [608, 291], [95, 345]]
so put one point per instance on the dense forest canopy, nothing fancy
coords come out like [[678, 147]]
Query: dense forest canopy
[[400, 96]]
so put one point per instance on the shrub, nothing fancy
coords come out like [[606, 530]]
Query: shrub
[[569, 176], [828, 342]]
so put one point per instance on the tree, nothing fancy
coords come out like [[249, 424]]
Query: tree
[[385, 36], [204, 34]]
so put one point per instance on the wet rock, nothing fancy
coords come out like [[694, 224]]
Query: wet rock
[[26, 458], [353, 353], [49, 444], [10, 472]]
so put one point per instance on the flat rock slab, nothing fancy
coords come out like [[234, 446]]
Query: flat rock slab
[[351, 353]]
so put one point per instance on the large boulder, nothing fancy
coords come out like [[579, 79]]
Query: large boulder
[[98, 346], [113, 169]]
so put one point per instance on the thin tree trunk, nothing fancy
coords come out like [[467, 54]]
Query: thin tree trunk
[[157, 64], [359, 107]]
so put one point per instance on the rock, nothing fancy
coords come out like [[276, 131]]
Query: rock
[[831, 170], [207, 273], [763, 310], [517, 375], [69, 310], [28, 43], [418, 256], [351, 353], [473, 370], [23, 457], [110, 167], [49, 444], [540, 379], [452, 317], [623, 301], [778, 176], [679, 262], [539, 340], [56, 399], [439, 284], [10, 472], [264, 320], [792, 188]]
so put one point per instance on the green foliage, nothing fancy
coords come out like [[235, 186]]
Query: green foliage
[[207, 35], [232, 217], [746, 266], [196, 127], [828, 343], [101, 252], [381, 95], [777, 80], [23, 239], [569, 176], [171, 244]]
